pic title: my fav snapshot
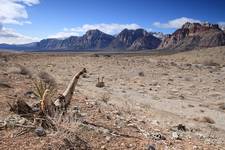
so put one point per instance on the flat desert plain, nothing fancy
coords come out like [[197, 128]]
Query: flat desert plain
[[161, 101]]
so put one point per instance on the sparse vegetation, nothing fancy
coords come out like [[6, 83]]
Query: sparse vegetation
[[210, 62], [47, 78], [205, 120], [40, 87], [141, 74], [101, 83], [105, 98]]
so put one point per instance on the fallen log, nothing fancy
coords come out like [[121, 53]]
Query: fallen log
[[64, 99]]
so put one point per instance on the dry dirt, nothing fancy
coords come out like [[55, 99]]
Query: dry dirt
[[145, 96]]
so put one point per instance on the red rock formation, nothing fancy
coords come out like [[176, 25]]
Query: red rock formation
[[193, 35]]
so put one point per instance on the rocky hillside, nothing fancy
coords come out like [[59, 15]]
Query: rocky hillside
[[96, 40], [92, 40], [135, 40], [188, 37], [194, 35]]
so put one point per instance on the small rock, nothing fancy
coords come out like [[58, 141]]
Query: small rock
[[104, 131], [176, 136], [40, 131], [129, 146], [103, 147], [141, 74], [181, 127], [4, 85], [158, 136], [22, 121], [83, 114], [108, 117], [108, 138], [155, 122], [30, 94], [151, 147]]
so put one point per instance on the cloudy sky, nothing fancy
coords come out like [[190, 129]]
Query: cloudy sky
[[24, 21]]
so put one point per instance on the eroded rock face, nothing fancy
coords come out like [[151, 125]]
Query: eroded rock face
[[93, 39], [194, 35], [146, 42], [135, 40]]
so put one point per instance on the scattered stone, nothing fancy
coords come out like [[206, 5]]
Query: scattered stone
[[85, 76], [4, 85], [176, 136], [181, 96], [155, 122], [158, 136], [129, 145], [181, 127], [204, 119], [30, 94], [108, 117], [154, 83], [22, 121], [40, 131], [190, 105], [141, 74], [151, 147], [108, 138], [222, 106], [103, 147]]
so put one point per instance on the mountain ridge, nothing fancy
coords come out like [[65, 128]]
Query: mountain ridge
[[189, 36]]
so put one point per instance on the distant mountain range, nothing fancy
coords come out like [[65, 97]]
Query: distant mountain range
[[189, 36]]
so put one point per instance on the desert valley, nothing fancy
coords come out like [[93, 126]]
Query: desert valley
[[167, 101], [112, 75]]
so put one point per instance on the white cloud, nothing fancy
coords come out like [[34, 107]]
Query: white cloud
[[176, 23], [14, 11], [10, 36], [112, 28]]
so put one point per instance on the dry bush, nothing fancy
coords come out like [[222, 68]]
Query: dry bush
[[19, 69], [4, 58], [47, 78], [210, 62], [141, 74], [205, 120], [105, 98]]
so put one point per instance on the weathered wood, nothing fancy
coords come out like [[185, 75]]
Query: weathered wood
[[64, 99]]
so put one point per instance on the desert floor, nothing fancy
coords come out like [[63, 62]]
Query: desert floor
[[145, 96]]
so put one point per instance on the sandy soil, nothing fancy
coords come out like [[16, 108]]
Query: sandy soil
[[157, 91]]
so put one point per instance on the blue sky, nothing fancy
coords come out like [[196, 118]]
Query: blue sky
[[32, 20]]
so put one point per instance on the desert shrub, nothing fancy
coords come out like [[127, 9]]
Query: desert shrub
[[47, 78], [141, 74], [205, 119], [105, 98], [95, 55], [210, 63], [19, 69], [24, 71], [40, 87]]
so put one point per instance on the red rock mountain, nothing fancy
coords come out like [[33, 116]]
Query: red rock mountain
[[194, 35]]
